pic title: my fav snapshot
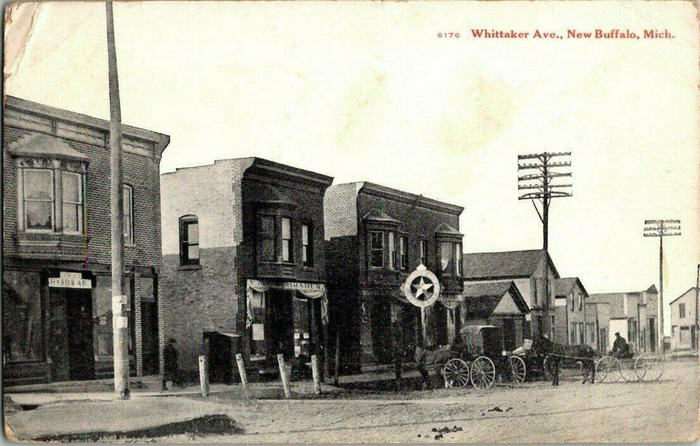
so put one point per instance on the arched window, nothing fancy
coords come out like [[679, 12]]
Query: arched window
[[189, 240]]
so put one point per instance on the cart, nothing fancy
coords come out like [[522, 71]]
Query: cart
[[642, 368]]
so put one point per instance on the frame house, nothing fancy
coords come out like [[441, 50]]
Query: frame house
[[244, 263], [57, 297], [527, 270], [375, 237], [571, 324], [683, 322]]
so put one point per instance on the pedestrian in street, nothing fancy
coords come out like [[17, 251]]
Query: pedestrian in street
[[397, 349], [170, 363]]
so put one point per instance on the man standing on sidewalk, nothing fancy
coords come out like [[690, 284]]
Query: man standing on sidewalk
[[397, 350], [170, 363]]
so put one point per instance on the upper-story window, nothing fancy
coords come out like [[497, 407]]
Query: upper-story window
[[458, 259], [446, 258], [580, 301], [376, 246], [38, 196], [423, 244], [128, 204], [267, 237], [403, 253], [533, 288], [72, 187], [573, 301], [189, 240], [307, 240], [392, 250], [681, 311], [287, 239]]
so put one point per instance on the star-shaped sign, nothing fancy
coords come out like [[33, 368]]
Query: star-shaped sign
[[422, 287]]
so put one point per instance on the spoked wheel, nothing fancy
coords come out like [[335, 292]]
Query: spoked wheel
[[627, 371], [483, 373], [648, 368], [456, 373], [607, 369], [517, 370]]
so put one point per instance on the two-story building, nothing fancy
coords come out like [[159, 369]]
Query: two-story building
[[528, 270], [571, 324], [683, 322], [375, 237], [243, 262], [634, 315], [56, 284]]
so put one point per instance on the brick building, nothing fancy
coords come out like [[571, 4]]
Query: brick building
[[571, 324], [57, 309], [634, 314], [243, 262], [527, 269], [376, 236]]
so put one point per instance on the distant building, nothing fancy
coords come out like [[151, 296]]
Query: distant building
[[496, 303], [634, 315], [375, 237], [56, 284], [683, 323], [572, 327], [599, 314], [527, 269], [243, 263]]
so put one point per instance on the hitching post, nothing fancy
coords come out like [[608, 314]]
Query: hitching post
[[316, 372], [241, 373], [284, 377], [204, 375]]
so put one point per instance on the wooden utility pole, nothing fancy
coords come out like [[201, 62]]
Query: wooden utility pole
[[120, 321], [661, 229], [697, 303], [541, 186]]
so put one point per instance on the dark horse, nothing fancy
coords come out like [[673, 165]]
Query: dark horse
[[556, 353]]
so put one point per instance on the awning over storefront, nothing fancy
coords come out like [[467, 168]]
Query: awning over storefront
[[306, 289]]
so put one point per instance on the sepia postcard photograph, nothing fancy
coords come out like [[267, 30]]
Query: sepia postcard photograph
[[350, 222]]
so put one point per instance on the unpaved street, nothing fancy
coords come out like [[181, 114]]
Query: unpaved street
[[634, 412]]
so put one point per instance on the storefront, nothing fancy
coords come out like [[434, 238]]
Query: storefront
[[285, 317]]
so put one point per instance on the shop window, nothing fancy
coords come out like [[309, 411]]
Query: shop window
[[38, 196], [22, 338], [392, 250], [307, 240], [128, 205], [376, 249], [266, 238], [403, 253], [189, 240], [424, 252], [287, 240], [72, 187], [681, 311], [446, 260]]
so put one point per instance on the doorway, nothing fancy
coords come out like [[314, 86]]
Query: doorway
[[81, 359], [381, 329], [280, 328], [508, 334], [149, 337]]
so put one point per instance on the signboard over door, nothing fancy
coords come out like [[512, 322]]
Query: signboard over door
[[69, 280]]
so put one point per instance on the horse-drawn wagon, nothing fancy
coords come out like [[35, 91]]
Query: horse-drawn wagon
[[478, 360], [629, 368]]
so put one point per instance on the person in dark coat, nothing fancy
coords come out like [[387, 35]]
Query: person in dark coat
[[169, 363], [620, 347]]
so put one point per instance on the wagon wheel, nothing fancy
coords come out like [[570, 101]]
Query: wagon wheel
[[607, 369], [456, 373], [517, 370], [648, 368], [483, 373], [628, 372]]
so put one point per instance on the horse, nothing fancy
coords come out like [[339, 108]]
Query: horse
[[558, 352]]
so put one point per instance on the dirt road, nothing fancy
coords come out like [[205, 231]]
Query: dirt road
[[663, 411]]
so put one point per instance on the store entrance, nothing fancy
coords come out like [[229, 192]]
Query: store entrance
[[81, 359], [281, 322]]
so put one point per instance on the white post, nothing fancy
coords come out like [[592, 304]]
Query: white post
[[204, 375], [241, 373], [316, 374], [283, 376]]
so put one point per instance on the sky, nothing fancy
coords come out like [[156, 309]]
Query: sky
[[367, 91]]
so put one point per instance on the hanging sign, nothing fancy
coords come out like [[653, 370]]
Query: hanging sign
[[422, 287], [69, 280]]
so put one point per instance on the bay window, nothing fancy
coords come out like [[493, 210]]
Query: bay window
[[307, 238], [72, 188], [458, 259], [446, 258], [287, 239], [392, 251], [267, 238], [403, 253]]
